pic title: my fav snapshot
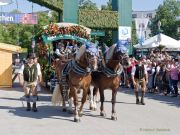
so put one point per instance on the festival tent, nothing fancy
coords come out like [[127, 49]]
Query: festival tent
[[158, 40]]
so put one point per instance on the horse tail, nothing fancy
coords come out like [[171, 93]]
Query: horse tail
[[56, 97]]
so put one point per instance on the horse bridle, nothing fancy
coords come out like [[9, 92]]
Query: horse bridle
[[90, 58]]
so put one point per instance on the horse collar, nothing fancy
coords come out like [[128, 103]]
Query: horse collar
[[111, 73], [79, 70]]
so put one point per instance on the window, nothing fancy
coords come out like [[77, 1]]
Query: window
[[134, 15], [149, 15]]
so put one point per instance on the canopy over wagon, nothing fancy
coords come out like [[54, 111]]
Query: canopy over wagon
[[53, 35]]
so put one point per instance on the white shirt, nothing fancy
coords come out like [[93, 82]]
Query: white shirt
[[57, 52], [20, 71], [38, 69]]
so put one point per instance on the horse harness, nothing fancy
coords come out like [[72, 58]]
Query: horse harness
[[109, 72], [71, 66]]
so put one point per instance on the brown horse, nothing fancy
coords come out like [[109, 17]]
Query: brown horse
[[109, 77], [59, 64], [80, 76]]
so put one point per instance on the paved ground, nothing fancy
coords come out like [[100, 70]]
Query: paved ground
[[161, 116]]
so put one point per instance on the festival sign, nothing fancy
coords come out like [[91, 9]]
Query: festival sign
[[125, 37], [21, 18], [48, 39]]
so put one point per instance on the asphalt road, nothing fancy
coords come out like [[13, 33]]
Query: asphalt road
[[160, 116]]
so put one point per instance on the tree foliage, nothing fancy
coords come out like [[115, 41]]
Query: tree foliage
[[108, 6], [98, 20], [167, 13], [88, 5], [56, 5]]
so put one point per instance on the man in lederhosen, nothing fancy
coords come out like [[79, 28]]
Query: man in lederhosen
[[139, 78], [29, 81]]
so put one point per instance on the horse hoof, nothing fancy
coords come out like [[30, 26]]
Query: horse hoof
[[64, 110], [113, 118], [76, 120], [103, 114]]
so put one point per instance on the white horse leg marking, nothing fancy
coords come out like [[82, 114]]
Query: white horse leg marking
[[70, 109]]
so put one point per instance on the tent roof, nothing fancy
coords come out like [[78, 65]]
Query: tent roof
[[9, 47], [157, 40]]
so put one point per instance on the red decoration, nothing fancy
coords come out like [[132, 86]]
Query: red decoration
[[54, 29]]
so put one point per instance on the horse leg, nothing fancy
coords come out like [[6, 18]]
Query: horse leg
[[91, 106], [114, 93], [95, 90], [82, 102], [76, 115], [64, 99], [70, 101], [102, 113]]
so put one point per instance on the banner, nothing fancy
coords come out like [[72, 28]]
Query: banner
[[22, 18], [48, 39], [141, 26], [125, 37], [124, 33]]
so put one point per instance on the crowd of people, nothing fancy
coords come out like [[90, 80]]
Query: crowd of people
[[162, 70]]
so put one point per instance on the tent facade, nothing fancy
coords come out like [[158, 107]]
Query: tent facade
[[157, 40]]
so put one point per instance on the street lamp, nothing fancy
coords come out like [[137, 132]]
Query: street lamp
[[33, 44]]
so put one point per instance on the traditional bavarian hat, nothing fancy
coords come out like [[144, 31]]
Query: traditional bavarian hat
[[91, 48], [32, 56]]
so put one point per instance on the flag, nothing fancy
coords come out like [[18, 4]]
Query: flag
[[29, 19], [141, 26]]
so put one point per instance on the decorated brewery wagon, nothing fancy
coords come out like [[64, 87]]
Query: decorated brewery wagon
[[50, 38]]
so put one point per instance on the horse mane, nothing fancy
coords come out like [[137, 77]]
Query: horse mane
[[110, 52], [80, 52]]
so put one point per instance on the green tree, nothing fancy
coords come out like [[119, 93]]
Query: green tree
[[89, 5], [108, 6], [166, 13]]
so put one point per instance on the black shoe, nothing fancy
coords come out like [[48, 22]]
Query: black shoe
[[137, 101], [34, 108], [28, 106], [142, 101]]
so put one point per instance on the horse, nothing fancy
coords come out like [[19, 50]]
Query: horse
[[109, 77], [59, 64], [79, 77]]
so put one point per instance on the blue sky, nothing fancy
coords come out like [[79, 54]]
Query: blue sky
[[25, 6]]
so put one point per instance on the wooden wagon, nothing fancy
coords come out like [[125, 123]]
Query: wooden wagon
[[46, 43]]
